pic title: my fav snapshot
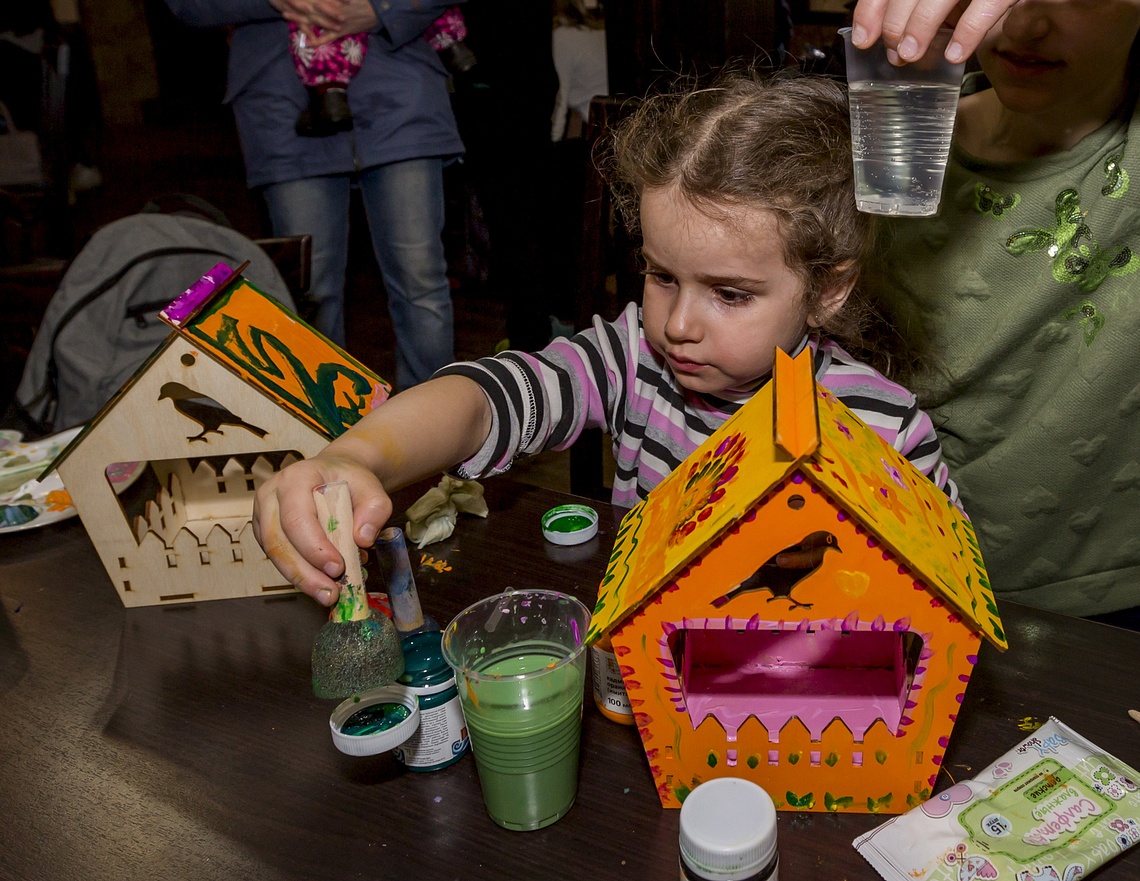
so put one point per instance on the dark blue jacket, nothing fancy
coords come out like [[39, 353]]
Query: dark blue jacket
[[399, 99]]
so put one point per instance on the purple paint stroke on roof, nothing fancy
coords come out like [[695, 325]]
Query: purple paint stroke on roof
[[190, 301]]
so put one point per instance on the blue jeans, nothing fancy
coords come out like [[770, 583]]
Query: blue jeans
[[404, 203]]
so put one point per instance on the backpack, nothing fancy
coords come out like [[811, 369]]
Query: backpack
[[102, 322]]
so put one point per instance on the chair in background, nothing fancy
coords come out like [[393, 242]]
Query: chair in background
[[293, 257]]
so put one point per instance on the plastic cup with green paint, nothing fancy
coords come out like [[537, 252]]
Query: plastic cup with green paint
[[520, 666]]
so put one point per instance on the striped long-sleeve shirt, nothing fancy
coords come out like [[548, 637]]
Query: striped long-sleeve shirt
[[609, 377]]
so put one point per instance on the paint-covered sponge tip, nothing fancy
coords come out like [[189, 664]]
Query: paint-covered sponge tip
[[354, 656]]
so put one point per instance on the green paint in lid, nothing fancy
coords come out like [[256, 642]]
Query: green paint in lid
[[570, 524]]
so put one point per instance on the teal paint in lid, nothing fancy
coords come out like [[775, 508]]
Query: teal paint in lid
[[375, 718], [375, 721]]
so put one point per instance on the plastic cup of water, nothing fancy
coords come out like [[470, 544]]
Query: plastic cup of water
[[902, 120], [520, 666]]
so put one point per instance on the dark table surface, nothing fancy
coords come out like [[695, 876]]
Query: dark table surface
[[185, 742]]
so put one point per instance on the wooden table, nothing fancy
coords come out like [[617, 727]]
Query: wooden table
[[184, 741]]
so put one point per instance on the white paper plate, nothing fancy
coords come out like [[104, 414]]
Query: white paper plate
[[33, 503]]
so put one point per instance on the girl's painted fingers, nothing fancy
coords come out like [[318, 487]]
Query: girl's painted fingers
[[371, 509], [289, 559]]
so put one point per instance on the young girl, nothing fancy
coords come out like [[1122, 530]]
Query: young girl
[[751, 240]]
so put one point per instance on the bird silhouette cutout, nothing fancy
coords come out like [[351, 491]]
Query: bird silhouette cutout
[[779, 580], [204, 410]]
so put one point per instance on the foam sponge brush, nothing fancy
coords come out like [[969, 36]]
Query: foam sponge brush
[[357, 648]]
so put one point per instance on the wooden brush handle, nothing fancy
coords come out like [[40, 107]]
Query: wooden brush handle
[[334, 510]]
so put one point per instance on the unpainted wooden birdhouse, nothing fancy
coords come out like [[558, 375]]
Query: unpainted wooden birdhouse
[[240, 388], [836, 686]]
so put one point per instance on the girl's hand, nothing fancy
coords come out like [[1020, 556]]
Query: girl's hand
[[907, 26], [285, 521], [414, 434]]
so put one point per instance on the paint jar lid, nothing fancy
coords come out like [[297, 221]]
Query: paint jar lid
[[728, 831], [570, 524], [375, 721]]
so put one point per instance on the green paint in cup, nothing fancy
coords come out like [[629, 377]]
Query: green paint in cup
[[520, 666]]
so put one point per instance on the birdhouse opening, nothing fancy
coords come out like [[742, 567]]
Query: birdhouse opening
[[184, 500], [812, 674]]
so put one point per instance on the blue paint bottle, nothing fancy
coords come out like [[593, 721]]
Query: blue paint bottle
[[441, 738]]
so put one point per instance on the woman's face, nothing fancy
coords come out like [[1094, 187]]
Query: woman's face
[[1060, 56]]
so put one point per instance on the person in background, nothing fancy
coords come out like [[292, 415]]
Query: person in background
[[578, 51], [742, 191], [578, 44], [47, 82], [404, 131], [1025, 292]]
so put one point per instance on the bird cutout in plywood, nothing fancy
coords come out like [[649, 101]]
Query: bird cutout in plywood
[[207, 412], [799, 561]]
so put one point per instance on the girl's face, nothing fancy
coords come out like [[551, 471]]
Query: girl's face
[[719, 296], [1061, 56]]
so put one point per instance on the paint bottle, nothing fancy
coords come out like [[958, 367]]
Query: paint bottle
[[441, 738], [396, 573], [609, 689], [728, 833]]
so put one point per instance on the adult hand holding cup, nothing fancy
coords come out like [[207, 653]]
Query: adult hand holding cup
[[902, 121], [907, 25]]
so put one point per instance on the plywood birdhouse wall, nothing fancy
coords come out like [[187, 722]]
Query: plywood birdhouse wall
[[239, 389], [833, 680]]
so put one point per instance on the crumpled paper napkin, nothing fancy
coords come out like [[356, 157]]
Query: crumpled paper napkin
[[431, 517]]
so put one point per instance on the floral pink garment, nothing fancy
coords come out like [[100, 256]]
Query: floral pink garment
[[336, 62], [447, 30]]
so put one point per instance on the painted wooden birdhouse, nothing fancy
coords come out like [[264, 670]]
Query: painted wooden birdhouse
[[240, 388], [834, 685]]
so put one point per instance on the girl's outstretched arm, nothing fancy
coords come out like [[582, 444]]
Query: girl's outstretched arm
[[414, 434]]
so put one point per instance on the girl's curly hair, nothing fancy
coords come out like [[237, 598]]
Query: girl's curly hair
[[780, 142]]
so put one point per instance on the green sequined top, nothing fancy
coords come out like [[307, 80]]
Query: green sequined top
[[1028, 291]]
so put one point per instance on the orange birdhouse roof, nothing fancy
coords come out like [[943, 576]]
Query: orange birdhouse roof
[[792, 426]]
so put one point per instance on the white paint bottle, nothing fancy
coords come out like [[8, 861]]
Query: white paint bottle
[[728, 833]]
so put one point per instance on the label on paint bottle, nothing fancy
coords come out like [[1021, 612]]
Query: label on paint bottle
[[609, 689], [442, 735], [441, 738]]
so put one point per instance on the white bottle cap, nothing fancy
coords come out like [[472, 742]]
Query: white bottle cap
[[385, 739], [728, 830]]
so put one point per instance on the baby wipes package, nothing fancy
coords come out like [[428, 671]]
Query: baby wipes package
[[1053, 808]]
